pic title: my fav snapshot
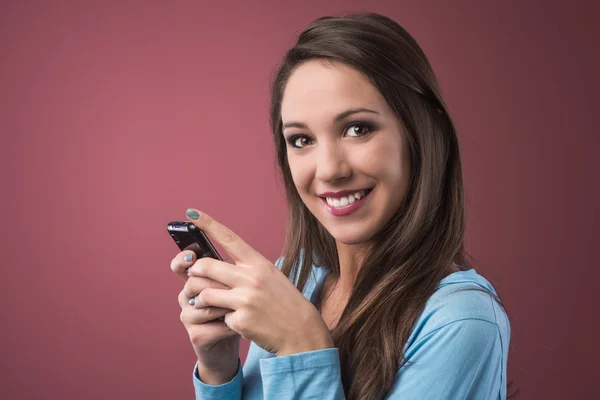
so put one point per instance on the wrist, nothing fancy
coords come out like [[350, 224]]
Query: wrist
[[305, 347], [214, 376], [318, 338]]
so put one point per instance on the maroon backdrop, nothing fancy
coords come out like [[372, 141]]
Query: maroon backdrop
[[117, 116]]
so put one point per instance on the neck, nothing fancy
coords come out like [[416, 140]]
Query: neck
[[350, 261]]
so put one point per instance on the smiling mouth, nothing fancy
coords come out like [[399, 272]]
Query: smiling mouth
[[346, 200]]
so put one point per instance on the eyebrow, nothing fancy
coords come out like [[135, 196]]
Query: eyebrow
[[341, 116]]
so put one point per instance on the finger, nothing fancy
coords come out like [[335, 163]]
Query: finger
[[182, 262], [220, 271], [194, 286], [222, 298], [231, 243], [191, 315]]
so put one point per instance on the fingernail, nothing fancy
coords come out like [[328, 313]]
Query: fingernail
[[187, 258], [192, 301], [192, 214]]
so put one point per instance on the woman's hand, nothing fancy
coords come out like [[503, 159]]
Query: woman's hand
[[267, 308], [216, 346]]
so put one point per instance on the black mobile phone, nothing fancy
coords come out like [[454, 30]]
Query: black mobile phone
[[188, 236]]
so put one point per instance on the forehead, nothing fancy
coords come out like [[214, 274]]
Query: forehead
[[320, 88]]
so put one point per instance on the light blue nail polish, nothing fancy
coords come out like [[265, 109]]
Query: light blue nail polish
[[192, 301], [187, 258], [192, 214]]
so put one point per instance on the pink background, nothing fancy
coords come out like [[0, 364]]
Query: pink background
[[117, 116]]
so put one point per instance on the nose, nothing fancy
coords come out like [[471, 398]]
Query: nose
[[332, 163]]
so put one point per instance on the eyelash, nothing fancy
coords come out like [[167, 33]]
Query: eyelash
[[369, 126]]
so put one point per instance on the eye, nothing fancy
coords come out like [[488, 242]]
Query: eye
[[299, 141], [359, 129]]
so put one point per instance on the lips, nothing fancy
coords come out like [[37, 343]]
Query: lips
[[346, 199], [345, 202]]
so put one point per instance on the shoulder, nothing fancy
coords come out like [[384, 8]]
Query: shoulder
[[462, 300], [459, 344]]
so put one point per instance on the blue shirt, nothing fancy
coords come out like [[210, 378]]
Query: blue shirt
[[458, 349]]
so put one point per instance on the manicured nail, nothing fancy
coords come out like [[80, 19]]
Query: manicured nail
[[192, 301], [187, 258], [192, 214]]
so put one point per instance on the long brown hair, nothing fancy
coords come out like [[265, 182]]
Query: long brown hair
[[422, 241]]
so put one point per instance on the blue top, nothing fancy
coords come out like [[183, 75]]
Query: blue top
[[459, 347]]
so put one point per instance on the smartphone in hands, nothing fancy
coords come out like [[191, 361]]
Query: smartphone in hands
[[188, 236]]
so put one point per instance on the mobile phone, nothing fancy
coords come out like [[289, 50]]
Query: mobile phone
[[188, 236]]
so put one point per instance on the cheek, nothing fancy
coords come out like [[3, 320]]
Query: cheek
[[300, 170], [380, 160], [388, 162], [397, 171]]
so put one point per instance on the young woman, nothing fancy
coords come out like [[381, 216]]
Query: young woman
[[373, 297]]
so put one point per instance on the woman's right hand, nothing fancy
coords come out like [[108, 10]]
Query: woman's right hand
[[215, 344]]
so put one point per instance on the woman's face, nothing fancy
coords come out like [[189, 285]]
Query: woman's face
[[346, 148]]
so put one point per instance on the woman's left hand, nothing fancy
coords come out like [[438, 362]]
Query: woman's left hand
[[267, 308]]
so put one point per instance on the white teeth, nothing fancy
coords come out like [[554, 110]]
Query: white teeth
[[344, 201]]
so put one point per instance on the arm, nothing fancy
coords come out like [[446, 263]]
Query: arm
[[310, 375], [461, 360], [231, 390]]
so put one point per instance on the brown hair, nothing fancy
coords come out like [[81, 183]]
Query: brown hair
[[421, 242]]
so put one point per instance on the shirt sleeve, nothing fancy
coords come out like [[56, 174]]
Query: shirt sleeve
[[461, 360], [231, 390], [311, 375]]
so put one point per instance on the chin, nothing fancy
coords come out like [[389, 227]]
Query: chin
[[350, 236]]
